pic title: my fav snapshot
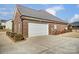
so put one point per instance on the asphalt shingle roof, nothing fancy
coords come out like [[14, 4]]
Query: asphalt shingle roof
[[75, 24], [37, 13], [3, 21]]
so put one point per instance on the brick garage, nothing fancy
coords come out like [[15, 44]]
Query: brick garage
[[36, 22]]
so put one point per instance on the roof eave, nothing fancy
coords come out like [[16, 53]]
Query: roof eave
[[24, 17]]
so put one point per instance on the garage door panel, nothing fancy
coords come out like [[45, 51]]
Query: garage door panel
[[36, 29]]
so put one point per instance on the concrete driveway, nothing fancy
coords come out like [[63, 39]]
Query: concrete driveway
[[50, 44]]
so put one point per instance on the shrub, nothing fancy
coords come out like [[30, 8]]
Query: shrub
[[12, 34], [15, 36], [69, 28], [8, 33], [1, 27], [18, 37]]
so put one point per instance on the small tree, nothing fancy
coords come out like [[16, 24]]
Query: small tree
[[0, 23], [70, 28]]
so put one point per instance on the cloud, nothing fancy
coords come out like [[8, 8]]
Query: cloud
[[3, 11], [74, 18], [2, 8], [55, 9], [6, 13]]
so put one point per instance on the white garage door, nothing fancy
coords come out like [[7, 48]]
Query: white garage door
[[35, 29]]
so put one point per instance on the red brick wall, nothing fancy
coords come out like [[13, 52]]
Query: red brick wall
[[17, 21], [25, 28], [19, 26], [60, 27]]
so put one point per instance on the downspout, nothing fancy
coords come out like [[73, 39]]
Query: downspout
[[22, 24], [12, 26]]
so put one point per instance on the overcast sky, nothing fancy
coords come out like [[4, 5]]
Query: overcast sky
[[67, 12]]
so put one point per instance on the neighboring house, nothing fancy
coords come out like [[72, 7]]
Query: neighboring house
[[30, 22], [9, 25], [3, 24], [75, 26], [6, 24]]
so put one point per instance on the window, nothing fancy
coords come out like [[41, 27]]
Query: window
[[55, 26]]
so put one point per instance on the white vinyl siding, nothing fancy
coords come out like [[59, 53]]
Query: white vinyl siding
[[9, 24]]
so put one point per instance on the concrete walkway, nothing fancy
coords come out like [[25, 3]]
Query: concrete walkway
[[39, 45]]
